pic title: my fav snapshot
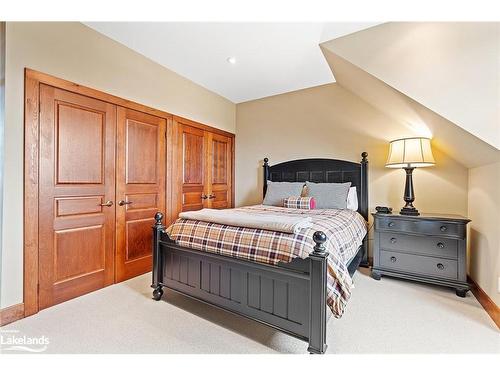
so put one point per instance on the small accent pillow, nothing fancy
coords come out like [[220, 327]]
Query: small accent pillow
[[277, 191], [329, 195], [304, 203], [352, 199]]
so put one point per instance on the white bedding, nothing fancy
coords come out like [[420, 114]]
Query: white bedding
[[237, 218]]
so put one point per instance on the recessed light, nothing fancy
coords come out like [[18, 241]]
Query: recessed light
[[231, 60]]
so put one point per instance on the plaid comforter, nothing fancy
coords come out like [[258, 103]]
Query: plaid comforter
[[345, 230]]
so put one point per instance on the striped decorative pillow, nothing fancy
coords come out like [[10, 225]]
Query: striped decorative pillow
[[304, 203]]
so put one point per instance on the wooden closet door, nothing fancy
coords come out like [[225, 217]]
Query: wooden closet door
[[191, 168], [140, 188], [77, 191], [219, 174]]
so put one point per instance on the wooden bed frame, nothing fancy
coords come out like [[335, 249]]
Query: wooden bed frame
[[289, 297]]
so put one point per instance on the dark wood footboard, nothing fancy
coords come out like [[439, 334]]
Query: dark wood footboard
[[291, 298]]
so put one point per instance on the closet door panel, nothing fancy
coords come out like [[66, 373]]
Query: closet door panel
[[140, 188], [77, 190], [191, 168], [220, 173]]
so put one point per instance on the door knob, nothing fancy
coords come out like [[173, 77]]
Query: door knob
[[123, 203], [204, 196], [211, 196], [107, 204]]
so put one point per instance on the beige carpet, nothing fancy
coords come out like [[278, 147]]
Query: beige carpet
[[387, 316]]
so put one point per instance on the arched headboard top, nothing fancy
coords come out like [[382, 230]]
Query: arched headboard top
[[323, 170]]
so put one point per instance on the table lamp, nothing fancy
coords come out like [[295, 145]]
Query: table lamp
[[410, 153]]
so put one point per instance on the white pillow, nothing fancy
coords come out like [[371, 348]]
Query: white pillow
[[352, 199]]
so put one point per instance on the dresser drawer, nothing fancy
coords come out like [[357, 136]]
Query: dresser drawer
[[427, 227], [435, 246], [418, 264]]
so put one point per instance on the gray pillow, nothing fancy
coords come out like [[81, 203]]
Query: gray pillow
[[328, 195], [277, 191]]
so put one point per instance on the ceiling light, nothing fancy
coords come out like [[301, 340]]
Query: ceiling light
[[231, 60]]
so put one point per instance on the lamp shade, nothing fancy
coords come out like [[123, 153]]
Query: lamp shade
[[410, 153]]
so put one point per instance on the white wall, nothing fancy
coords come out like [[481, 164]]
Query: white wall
[[77, 53], [484, 211]]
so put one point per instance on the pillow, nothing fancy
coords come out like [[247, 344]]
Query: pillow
[[329, 195], [352, 199], [305, 203], [277, 191]]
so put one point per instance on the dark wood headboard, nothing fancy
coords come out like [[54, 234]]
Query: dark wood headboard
[[323, 170]]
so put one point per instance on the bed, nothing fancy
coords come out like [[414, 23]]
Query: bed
[[290, 295]]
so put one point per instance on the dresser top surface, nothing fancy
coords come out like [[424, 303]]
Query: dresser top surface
[[424, 216]]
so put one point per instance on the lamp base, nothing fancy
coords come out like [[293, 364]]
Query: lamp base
[[410, 211], [409, 196]]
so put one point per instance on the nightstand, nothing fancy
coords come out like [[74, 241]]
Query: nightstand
[[428, 248]]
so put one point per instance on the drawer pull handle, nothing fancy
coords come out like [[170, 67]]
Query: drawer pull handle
[[393, 259], [393, 240], [443, 228], [391, 224], [440, 245], [440, 266]]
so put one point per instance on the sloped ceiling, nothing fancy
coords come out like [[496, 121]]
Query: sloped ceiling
[[452, 69], [411, 118]]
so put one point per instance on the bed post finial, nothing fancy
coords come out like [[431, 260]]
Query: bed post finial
[[319, 239], [266, 161], [158, 219], [318, 272], [364, 156]]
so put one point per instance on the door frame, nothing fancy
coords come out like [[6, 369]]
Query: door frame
[[32, 81]]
